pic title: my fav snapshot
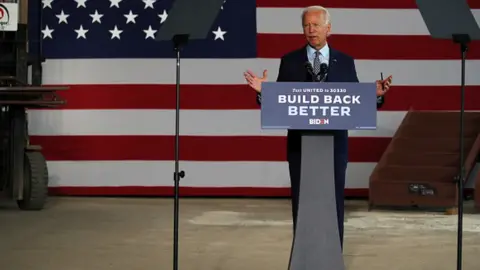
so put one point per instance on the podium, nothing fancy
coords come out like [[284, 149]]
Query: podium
[[24, 174], [313, 108]]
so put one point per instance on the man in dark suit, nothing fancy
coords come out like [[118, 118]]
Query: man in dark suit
[[341, 68]]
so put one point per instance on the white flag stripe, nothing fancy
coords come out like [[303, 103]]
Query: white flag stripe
[[198, 174], [212, 71], [348, 21], [162, 122]]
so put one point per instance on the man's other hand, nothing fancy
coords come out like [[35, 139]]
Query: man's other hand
[[383, 86]]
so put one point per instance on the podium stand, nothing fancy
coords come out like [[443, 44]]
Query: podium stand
[[461, 27], [313, 108], [24, 169]]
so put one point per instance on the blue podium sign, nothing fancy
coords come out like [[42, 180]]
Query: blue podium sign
[[319, 106]]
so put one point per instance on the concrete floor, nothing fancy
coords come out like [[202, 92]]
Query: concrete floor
[[217, 234]]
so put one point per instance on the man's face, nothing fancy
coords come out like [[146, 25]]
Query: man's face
[[315, 29]]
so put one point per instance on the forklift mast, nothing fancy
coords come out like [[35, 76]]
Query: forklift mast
[[23, 168], [14, 55]]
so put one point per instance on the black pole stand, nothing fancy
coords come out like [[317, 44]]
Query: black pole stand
[[462, 40], [179, 41]]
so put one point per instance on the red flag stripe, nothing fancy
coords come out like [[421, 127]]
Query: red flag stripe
[[241, 97], [372, 47], [192, 148], [370, 4]]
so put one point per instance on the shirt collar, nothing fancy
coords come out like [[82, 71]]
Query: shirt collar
[[325, 51]]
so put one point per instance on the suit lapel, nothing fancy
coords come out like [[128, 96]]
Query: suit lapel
[[305, 54], [332, 65], [302, 59]]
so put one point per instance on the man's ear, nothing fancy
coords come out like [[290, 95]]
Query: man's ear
[[329, 29]]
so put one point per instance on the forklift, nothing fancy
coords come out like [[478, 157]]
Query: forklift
[[23, 168]]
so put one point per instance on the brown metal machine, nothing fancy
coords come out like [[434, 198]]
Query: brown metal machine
[[420, 167], [24, 172]]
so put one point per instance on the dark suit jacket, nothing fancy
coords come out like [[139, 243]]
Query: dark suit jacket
[[341, 69]]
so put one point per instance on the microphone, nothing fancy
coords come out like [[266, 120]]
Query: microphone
[[323, 71], [309, 68]]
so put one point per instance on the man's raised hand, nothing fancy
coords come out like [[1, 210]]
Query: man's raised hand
[[254, 81]]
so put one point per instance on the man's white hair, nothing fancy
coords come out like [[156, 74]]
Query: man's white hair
[[317, 8]]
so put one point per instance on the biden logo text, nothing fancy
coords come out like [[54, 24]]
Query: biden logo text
[[316, 121]]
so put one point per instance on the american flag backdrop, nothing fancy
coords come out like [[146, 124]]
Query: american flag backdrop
[[115, 135]]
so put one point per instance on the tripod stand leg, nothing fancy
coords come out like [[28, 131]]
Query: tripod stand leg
[[462, 40], [179, 41]]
